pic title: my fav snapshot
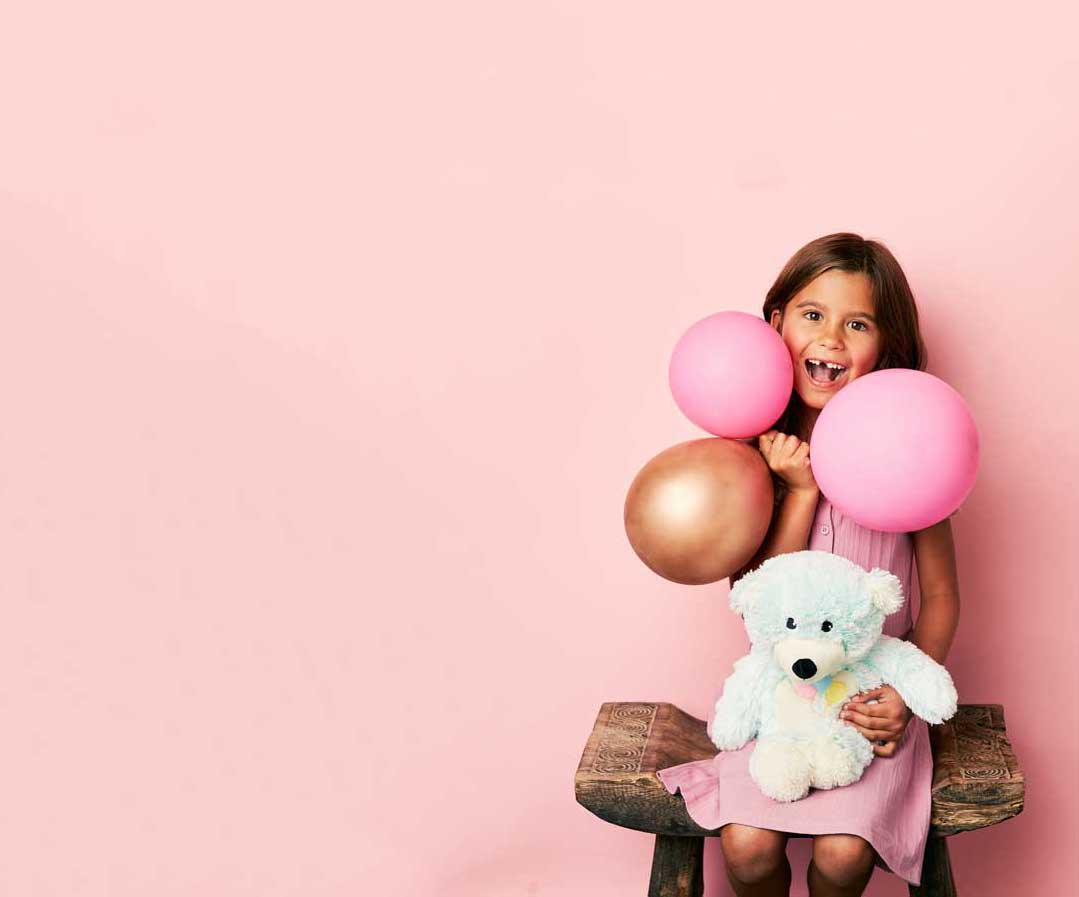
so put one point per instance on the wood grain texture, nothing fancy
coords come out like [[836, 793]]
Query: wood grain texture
[[677, 867], [937, 878], [977, 780], [976, 776], [616, 778]]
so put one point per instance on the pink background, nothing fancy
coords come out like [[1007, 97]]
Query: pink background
[[332, 341]]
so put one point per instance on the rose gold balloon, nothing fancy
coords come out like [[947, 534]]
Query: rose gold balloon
[[697, 512]]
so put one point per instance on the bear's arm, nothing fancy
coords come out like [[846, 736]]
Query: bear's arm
[[922, 683], [866, 676], [738, 710]]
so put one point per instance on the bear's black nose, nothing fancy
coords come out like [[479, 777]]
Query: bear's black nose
[[804, 668]]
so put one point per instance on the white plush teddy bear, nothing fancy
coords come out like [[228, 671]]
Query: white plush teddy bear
[[814, 620]]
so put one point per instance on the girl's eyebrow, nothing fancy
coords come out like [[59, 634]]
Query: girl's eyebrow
[[860, 314]]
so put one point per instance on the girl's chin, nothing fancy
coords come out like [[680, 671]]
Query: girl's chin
[[815, 402], [815, 398]]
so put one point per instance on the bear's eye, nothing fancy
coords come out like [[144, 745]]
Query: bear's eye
[[826, 626], [790, 622]]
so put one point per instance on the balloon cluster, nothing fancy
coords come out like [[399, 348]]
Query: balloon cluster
[[895, 450]]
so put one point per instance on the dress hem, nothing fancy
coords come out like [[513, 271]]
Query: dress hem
[[884, 849]]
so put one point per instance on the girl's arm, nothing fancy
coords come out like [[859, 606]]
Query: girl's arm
[[934, 552], [788, 458], [789, 530]]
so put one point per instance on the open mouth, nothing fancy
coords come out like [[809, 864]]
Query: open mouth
[[824, 372]]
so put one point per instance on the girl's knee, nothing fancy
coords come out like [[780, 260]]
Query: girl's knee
[[752, 854], [842, 859]]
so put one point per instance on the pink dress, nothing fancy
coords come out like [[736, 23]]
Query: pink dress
[[889, 806]]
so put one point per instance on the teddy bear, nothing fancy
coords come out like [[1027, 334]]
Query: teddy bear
[[815, 623]]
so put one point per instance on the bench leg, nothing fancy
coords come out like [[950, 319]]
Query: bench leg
[[937, 878], [677, 867]]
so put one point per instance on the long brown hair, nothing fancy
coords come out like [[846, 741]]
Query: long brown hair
[[893, 306]]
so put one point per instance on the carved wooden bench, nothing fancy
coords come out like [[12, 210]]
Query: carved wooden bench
[[976, 782]]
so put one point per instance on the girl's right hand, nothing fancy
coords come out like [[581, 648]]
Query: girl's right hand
[[788, 456]]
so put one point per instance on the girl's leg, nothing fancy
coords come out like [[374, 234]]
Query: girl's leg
[[841, 866], [756, 860]]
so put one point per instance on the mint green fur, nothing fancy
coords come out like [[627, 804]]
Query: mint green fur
[[800, 741]]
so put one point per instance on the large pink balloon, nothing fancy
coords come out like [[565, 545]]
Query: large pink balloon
[[895, 450], [731, 374]]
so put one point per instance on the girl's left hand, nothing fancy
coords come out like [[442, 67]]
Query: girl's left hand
[[885, 721]]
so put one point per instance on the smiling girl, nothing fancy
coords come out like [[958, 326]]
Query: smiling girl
[[844, 309]]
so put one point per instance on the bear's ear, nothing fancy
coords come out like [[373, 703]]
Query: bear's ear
[[885, 590], [746, 590]]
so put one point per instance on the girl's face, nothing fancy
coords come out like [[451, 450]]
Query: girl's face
[[830, 331]]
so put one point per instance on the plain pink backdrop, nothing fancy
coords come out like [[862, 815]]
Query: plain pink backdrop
[[333, 337]]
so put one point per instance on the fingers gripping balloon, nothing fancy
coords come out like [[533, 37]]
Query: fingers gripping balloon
[[896, 450]]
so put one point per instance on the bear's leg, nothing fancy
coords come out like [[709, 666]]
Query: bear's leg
[[840, 757], [780, 768]]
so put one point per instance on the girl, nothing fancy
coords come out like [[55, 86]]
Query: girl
[[844, 309]]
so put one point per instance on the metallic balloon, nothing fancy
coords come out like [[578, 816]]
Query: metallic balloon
[[698, 512]]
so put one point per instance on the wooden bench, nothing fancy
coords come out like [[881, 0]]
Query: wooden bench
[[976, 782]]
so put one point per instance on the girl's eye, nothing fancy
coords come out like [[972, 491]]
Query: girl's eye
[[861, 325], [826, 626], [790, 622], [808, 313]]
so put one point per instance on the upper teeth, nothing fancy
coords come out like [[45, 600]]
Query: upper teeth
[[835, 367]]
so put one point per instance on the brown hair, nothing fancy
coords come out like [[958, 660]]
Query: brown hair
[[893, 306], [893, 303]]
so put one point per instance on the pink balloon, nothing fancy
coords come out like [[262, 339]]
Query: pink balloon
[[731, 374], [895, 450]]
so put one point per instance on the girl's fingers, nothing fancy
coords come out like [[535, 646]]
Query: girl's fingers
[[880, 711], [878, 725], [868, 723], [885, 716], [788, 447], [872, 734], [773, 452], [860, 729], [784, 452], [877, 721]]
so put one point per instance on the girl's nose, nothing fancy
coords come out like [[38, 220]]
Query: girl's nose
[[832, 339]]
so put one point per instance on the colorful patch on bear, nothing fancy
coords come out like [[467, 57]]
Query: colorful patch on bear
[[842, 686], [836, 692]]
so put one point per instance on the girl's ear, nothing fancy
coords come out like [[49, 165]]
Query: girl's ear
[[776, 319], [745, 591], [885, 590]]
